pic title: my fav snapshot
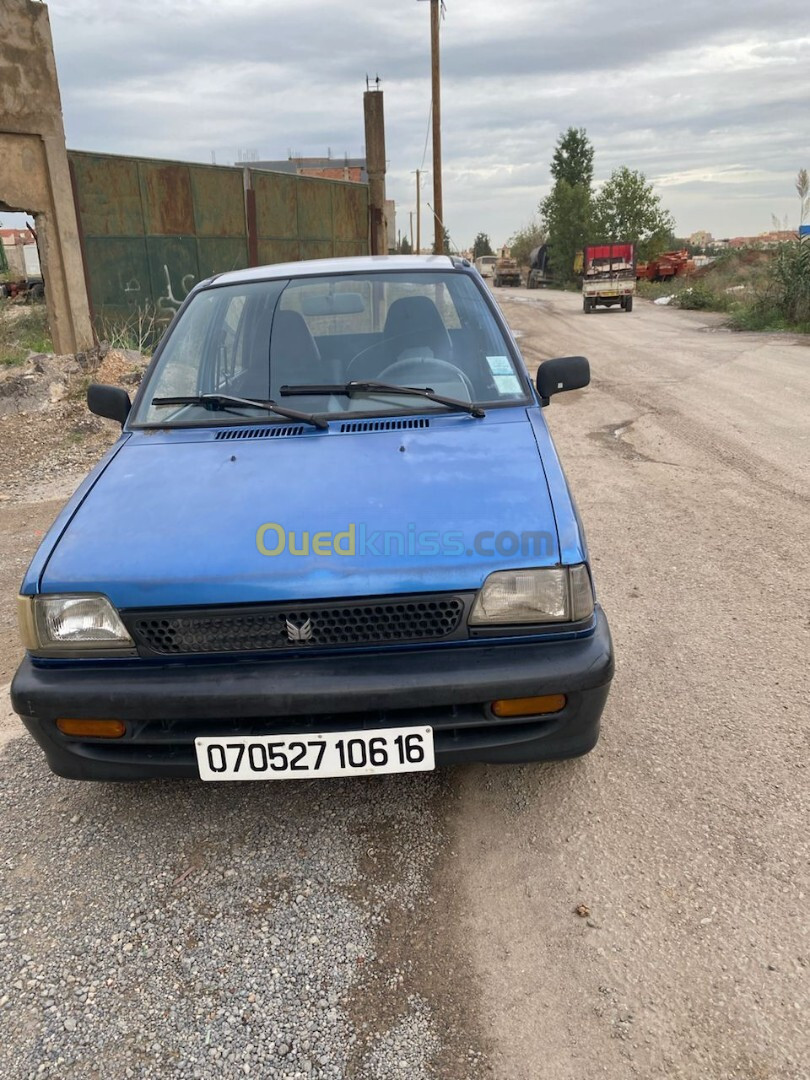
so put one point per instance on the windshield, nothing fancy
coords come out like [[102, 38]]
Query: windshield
[[253, 340]]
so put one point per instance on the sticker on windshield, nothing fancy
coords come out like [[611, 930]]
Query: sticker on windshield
[[507, 384], [500, 365]]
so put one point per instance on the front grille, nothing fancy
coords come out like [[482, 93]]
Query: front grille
[[329, 624]]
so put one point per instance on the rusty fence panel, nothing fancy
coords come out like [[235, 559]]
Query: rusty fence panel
[[301, 217], [151, 229]]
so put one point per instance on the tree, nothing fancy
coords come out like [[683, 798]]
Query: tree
[[405, 246], [627, 208], [481, 246], [573, 158], [525, 240], [565, 213], [448, 244], [566, 217]]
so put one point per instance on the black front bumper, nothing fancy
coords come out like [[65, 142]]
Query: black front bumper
[[450, 688]]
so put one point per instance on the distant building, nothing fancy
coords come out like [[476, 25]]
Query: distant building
[[328, 168], [13, 241], [701, 238], [764, 240]]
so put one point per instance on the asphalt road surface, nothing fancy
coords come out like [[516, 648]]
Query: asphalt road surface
[[640, 912]]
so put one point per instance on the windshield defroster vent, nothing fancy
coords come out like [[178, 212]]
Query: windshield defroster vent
[[384, 425], [274, 432]]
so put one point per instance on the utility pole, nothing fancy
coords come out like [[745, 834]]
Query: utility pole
[[438, 208], [418, 212], [410, 215]]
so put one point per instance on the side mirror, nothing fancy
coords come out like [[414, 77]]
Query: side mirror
[[564, 373], [109, 401]]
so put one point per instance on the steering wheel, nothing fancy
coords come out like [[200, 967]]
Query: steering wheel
[[389, 346], [429, 371]]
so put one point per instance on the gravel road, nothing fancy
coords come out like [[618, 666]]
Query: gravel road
[[641, 912]]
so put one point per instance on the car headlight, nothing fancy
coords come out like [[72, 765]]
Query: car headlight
[[64, 625], [542, 595]]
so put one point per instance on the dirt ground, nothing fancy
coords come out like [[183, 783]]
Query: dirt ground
[[642, 911]]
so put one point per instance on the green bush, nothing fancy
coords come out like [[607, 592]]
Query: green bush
[[787, 289], [781, 298], [702, 297]]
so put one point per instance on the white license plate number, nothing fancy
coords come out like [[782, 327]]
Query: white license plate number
[[307, 757]]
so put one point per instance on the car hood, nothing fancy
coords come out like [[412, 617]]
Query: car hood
[[174, 517]]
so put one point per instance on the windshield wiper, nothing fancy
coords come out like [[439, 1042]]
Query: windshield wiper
[[351, 389], [222, 400]]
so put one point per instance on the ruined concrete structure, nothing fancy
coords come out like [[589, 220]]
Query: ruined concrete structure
[[34, 172]]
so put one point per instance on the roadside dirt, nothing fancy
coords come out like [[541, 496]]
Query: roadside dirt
[[639, 912]]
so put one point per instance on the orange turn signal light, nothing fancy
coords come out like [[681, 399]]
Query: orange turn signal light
[[529, 706], [95, 729]]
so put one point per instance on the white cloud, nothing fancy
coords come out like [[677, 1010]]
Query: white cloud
[[709, 100]]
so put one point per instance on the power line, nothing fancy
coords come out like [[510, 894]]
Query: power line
[[427, 136]]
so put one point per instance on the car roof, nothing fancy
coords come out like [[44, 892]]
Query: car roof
[[354, 265]]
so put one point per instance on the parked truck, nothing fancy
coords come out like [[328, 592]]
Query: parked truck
[[24, 277], [539, 275], [507, 271], [485, 265], [609, 276]]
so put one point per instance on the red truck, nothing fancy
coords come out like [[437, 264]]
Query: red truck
[[608, 276]]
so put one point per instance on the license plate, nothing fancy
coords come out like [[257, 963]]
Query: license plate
[[304, 757]]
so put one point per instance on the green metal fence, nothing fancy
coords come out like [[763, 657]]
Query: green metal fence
[[151, 229]]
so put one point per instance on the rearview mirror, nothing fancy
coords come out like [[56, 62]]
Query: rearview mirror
[[334, 304], [109, 401], [563, 373]]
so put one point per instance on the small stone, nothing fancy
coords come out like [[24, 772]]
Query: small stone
[[70, 1024]]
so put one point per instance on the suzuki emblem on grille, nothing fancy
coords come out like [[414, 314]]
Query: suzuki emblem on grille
[[299, 633]]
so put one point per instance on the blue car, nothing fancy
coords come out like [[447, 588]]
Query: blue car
[[334, 538]]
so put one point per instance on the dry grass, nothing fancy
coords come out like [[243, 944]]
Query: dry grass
[[23, 330]]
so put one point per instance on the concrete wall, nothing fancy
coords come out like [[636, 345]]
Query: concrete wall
[[34, 174]]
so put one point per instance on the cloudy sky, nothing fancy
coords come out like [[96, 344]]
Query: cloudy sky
[[710, 98]]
